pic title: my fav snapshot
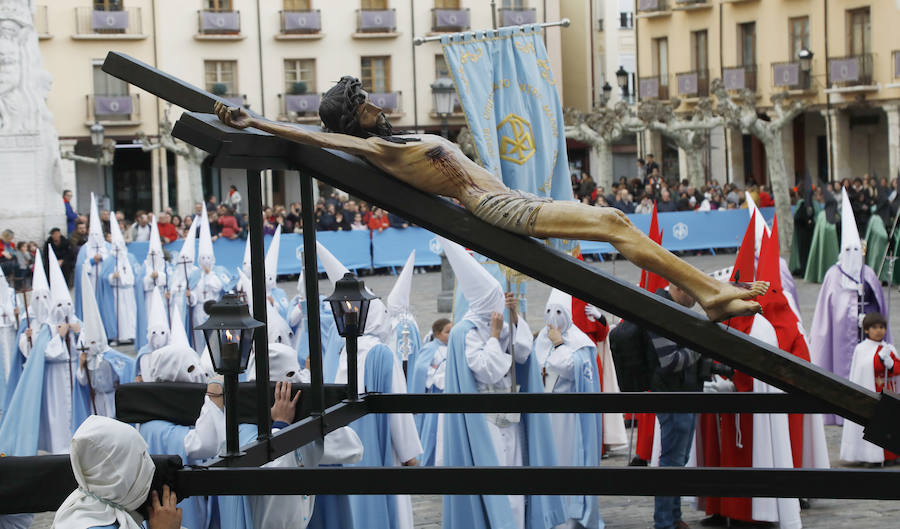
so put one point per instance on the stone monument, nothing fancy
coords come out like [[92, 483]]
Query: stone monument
[[31, 201]]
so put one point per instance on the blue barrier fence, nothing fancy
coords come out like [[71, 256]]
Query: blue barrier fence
[[682, 231]]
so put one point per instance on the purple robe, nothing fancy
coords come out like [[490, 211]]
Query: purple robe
[[835, 327], [787, 282]]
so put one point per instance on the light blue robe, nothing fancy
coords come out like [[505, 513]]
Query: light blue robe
[[467, 443], [79, 264], [426, 423], [20, 425], [107, 303]]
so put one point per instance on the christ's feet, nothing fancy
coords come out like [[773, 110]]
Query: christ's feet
[[733, 301]]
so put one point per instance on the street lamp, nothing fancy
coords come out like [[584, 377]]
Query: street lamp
[[97, 137], [805, 56], [622, 80], [442, 90], [350, 307], [229, 336], [607, 90]]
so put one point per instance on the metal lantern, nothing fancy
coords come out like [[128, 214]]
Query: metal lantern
[[622, 77], [607, 90], [442, 90], [350, 305], [805, 57], [97, 134], [229, 333]]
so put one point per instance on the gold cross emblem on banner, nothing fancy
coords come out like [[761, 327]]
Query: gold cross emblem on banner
[[518, 147]]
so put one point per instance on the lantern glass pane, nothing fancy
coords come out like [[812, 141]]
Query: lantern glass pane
[[246, 346], [363, 314], [215, 351]]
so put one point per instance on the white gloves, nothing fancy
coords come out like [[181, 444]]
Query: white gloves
[[719, 385], [592, 312], [885, 356]]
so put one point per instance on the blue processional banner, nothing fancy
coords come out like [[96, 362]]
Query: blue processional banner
[[512, 106]]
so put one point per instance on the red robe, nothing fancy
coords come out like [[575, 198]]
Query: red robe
[[891, 384]]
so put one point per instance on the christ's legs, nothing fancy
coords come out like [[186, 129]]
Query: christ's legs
[[572, 220]]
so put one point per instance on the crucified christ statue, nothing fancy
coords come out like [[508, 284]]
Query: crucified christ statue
[[434, 164]]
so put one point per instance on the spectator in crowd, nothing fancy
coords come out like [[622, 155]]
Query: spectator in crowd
[[378, 221], [624, 200], [214, 227], [140, 230], [104, 223], [71, 215], [665, 203], [25, 260], [292, 218], [587, 187], [396, 221], [62, 249], [642, 169], [80, 236], [186, 224], [326, 220], [228, 225], [646, 206], [198, 210], [233, 200], [179, 224], [652, 166], [211, 203], [8, 262], [358, 223], [167, 231], [341, 223], [123, 229]]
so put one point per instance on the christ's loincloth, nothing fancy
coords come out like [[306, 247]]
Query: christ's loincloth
[[512, 210]]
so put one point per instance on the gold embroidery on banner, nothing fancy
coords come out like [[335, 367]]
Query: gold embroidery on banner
[[519, 147], [524, 47], [544, 65]]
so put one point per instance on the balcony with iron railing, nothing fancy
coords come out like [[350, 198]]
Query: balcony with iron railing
[[693, 84], [737, 78], [517, 16], [447, 20], [790, 76], [850, 71], [113, 110], [376, 24], [305, 24], [299, 108], [41, 23], [94, 24], [653, 87], [215, 24], [652, 8]]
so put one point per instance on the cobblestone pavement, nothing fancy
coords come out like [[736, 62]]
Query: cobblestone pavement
[[621, 512]]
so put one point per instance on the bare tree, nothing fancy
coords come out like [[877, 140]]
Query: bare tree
[[741, 113], [190, 185], [689, 131], [599, 129]]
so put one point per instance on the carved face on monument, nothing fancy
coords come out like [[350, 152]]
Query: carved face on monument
[[10, 55]]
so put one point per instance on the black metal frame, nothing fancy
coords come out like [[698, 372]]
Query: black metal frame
[[811, 389]]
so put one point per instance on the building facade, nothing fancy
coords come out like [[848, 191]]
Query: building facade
[[840, 56], [599, 44], [274, 56]]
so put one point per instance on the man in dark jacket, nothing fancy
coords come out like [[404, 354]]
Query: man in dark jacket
[[62, 248]]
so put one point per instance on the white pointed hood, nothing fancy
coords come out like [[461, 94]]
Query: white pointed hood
[[558, 312], [283, 364], [850, 259], [176, 363], [186, 255], [398, 299], [245, 285], [155, 259], [93, 334], [205, 256], [301, 286], [378, 321], [6, 292], [479, 287], [157, 322], [61, 307], [760, 227], [245, 264], [95, 230], [177, 334], [115, 233], [40, 291], [278, 329], [333, 268], [272, 259]]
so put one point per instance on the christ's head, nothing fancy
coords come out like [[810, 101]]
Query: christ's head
[[346, 109]]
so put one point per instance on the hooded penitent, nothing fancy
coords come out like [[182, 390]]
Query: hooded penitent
[[186, 255], [96, 242], [205, 256], [176, 362], [481, 290], [272, 260], [157, 322], [113, 470], [61, 307], [398, 299], [850, 259], [155, 260], [245, 263], [40, 292], [333, 268], [93, 335]]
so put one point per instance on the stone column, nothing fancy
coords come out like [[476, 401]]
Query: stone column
[[837, 125], [185, 172], [154, 178], [893, 122], [67, 167], [735, 159], [164, 179]]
